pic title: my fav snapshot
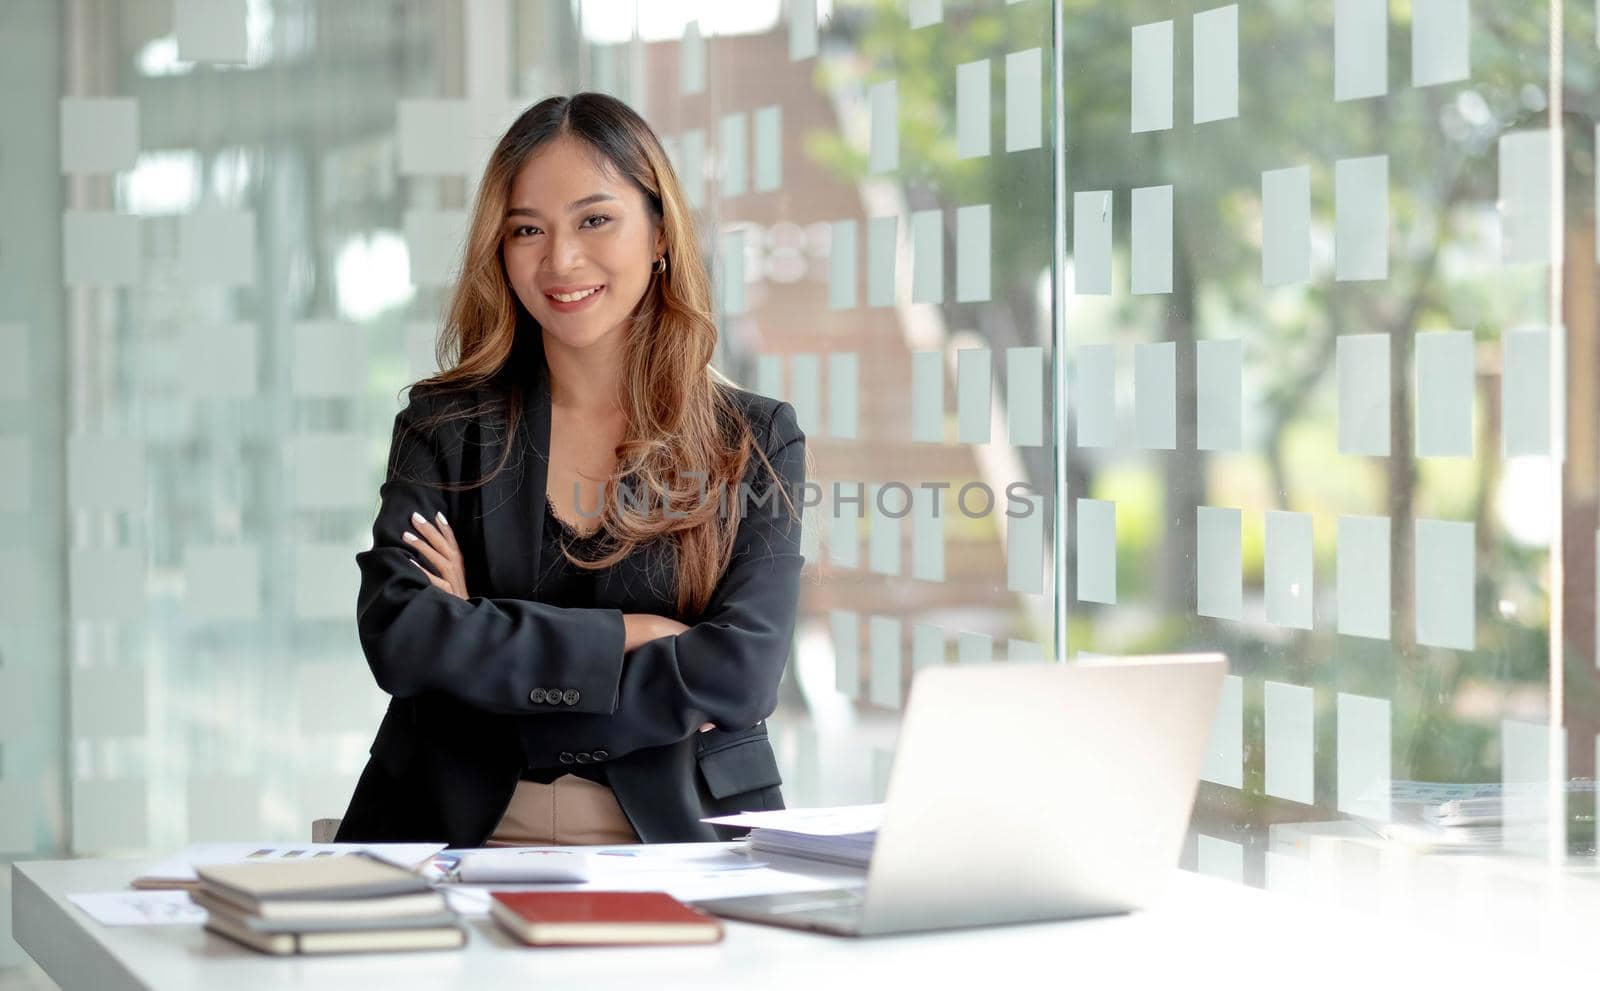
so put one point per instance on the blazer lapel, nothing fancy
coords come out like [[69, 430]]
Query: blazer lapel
[[513, 502]]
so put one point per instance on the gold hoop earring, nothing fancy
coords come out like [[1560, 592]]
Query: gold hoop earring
[[660, 267]]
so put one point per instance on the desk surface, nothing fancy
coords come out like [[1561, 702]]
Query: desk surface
[[1243, 936]]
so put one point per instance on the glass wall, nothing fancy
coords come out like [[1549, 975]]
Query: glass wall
[[1331, 352], [1330, 361]]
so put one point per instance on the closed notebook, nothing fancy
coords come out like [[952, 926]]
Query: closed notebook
[[431, 911], [353, 876], [340, 941], [574, 918]]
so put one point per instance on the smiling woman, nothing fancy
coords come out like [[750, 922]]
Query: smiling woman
[[540, 695]]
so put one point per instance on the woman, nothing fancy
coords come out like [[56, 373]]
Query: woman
[[567, 666]]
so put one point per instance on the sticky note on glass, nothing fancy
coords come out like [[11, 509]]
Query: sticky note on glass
[[1094, 395], [330, 359], [1219, 395], [1360, 48], [692, 60], [1363, 368], [1155, 388], [1152, 240], [1097, 551], [1219, 585], [100, 249], [974, 394], [1363, 726], [1440, 42], [1224, 764], [844, 526], [1445, 575], [434, 239], [927, 256], [844, 395], [99, 134], [1151, 53], [1361, 218], [972, 109], [210, 30], [329, 470], [887, 507], [106, 472], [733, 140], [1363, 576], [1444, 383], [972, 253], [1025, 544], [1219, 858], [883, 149], [1531, 380], [927, 536], [222, 582], [733, 273], [974, 648], [107, 584], [1525, 198], [1091, 243], [692, 149], [842, 265], [434, 137], [883, 638], [1216, 64], [882, 233], [845, 626], [805, 392], [324, 585], [927, 397], [1286, 226], [1024, 82], [1025, 396], [1289, 570], [769, 149], [1289, 742]]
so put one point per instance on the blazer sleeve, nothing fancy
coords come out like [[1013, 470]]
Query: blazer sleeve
[[725, 668], [490, 653]]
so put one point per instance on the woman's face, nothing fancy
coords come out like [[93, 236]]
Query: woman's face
[[578, 243]]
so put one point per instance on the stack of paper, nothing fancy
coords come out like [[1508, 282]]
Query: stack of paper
[[843, 834], [332, 905]]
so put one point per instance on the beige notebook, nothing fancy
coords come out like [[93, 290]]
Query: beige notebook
[[441, 938], [325, 878]]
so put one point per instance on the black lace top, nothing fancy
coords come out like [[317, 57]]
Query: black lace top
[[562, 583]]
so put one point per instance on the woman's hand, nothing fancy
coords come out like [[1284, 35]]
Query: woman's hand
[[642, 627], [438, 545]]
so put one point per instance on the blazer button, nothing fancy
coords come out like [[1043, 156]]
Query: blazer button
[[537, 695], [600, 755], [570, 696], [553, 696], [582, 758], [565, 758]]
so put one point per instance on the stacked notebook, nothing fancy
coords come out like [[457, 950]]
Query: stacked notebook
[[342, 904]]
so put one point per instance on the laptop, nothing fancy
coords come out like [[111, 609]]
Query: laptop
[[1024, 792]]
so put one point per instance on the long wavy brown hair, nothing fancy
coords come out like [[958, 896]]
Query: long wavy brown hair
[[682, 417]]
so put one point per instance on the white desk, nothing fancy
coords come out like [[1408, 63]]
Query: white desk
[[1205, 932]]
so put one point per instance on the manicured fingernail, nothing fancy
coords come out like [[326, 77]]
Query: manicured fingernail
[[442, 520], [411, 538], [417, 518]]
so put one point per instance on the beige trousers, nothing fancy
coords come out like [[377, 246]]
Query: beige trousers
[[569, 811]]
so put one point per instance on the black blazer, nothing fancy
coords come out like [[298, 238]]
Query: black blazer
[[485, 686]]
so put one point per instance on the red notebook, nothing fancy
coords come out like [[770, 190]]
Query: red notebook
[[588, 918]]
